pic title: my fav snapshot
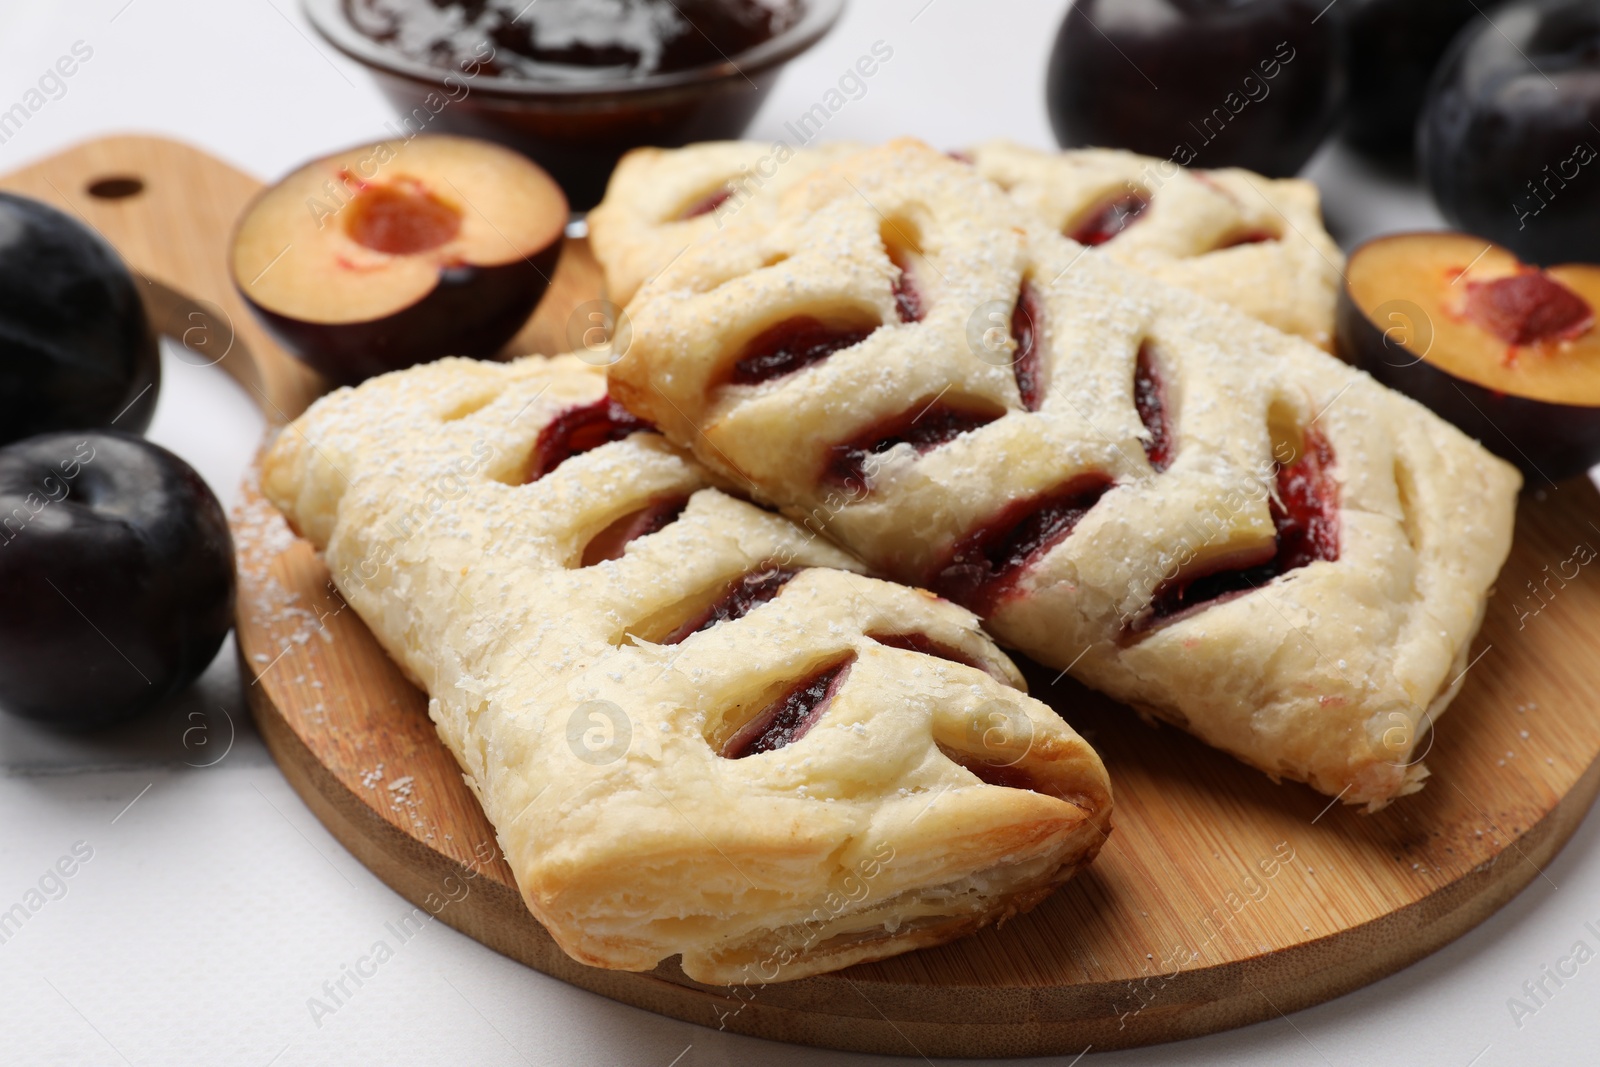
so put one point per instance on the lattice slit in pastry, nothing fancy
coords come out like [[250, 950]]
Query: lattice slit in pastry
[[992, 557], [902, 242], [924, 426], [795, 343], [732, 601], [579, 429], [643, 521], [786, 716], [1155, 409], [1106, 219], [1027, 338]]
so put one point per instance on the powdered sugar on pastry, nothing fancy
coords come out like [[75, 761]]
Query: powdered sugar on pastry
[[1252, 242], [1206, 518], [695, 726]]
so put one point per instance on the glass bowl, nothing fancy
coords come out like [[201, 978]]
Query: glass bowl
[[577, 130]]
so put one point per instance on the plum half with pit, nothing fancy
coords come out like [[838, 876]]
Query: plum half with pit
[[1209, 83], [76, 348], [117, 567], [400, 252], [1509, 139], [1391, 50], [1506, 351]]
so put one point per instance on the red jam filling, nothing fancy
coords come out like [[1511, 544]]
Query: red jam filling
[[787, 719], [401, 219], [578, 430], [924, 429], [927, 646], [907, 298], [791, 345], [738, 600], [1246, 237], [1012, 776], [1306, 518], [1027, 327], [652, 518], [1526, 308], [988, 561], [709, 204], [1109, 219], [1150, 397]]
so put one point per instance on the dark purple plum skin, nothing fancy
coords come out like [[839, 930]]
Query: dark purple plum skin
[[1510, 117], [76, 347], [1156, 78], [117, 566], [1391, 50], [1546, 441], [473, 311]]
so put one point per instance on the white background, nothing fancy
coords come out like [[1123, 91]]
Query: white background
[[216, 904]]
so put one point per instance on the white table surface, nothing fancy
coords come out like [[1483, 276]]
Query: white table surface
[[215, 905]]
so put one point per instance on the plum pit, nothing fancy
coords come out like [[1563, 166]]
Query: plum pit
[[401, 219]]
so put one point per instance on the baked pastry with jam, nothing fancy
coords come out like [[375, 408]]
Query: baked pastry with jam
[[1254, 243], [696, 727], [1204, 517]]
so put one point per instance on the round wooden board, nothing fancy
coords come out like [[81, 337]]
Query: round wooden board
[[1220, 899]]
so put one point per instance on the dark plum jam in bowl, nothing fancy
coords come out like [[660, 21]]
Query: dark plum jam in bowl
[[573, 84]]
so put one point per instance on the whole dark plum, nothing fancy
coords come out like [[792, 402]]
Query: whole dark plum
[[1510, 136], [76, 349], [1391, 50], [117, 570], [1208, 83]]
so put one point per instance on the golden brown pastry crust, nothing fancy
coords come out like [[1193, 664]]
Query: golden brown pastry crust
[[1329, 674], [591, 748]]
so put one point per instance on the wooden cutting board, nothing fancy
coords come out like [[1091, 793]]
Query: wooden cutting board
[[1220, 899]]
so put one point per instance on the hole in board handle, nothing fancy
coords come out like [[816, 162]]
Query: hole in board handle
[[115, 187]]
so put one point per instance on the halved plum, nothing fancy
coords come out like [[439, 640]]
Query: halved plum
[[1507, 352], [400, 252]]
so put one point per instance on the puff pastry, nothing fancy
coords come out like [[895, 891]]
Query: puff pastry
[[696, 728], [1252, 242], [1207, 518]]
